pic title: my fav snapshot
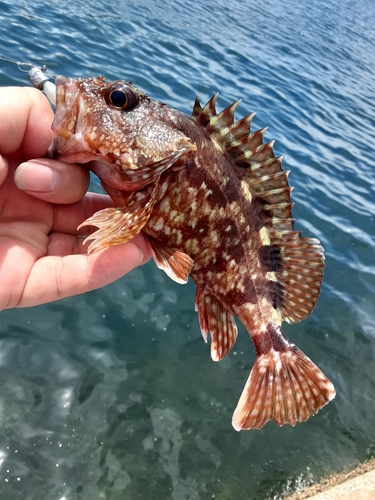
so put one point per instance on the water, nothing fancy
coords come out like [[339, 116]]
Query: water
[[113, 394]]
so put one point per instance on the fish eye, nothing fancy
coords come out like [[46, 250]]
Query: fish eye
[[120, 96]]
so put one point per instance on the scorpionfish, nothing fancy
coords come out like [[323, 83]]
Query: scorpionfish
[[214, 203]]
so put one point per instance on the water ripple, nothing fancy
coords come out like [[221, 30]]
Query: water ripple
[[114, 393]]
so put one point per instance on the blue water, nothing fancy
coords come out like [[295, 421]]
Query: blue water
[[112, 395]]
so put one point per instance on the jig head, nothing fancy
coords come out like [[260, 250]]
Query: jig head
[[41, 81], [38, 78]]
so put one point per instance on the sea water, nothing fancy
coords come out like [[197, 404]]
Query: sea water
[[112, 394]]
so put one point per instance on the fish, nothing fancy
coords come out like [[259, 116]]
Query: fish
[[215, 205]]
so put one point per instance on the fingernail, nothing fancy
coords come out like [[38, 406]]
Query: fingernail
[[141, 257], [35, 176]]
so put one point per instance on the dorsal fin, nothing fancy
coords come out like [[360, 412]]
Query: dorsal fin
[[204, 115], [197, 108], [259, 166], [300, 273], [300, 261]]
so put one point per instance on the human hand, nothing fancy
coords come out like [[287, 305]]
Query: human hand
[[42, 201]]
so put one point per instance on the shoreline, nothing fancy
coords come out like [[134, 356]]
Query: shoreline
[[358, 482]]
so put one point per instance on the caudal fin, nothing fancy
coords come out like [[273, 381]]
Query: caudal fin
[[285, 386]]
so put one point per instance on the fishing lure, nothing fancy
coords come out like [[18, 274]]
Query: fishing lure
[[38, 78]]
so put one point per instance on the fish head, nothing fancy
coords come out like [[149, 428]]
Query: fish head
[[122, 135]]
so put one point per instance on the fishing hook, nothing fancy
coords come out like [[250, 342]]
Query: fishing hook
[[38, 78]]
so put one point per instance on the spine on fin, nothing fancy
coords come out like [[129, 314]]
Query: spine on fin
[[285, 386], [215, 319]]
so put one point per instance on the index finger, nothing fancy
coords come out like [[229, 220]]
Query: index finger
[[66, 218]]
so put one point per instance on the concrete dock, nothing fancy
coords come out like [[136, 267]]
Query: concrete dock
[[358, 484]]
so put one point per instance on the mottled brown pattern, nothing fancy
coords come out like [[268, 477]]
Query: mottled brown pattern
[[269, 256], [272, 338], [215, 204]]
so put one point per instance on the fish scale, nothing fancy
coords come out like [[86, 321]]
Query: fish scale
[[214, 203]]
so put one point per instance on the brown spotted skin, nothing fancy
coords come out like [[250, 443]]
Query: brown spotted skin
[[215, 204], [208, 214]]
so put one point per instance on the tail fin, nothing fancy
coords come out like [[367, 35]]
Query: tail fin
[[285, 386]]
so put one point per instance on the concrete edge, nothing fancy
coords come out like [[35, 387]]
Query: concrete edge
[[358, 483]]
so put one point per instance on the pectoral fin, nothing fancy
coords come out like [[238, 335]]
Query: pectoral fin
[[116, 226], [121, 224], [142, 176]]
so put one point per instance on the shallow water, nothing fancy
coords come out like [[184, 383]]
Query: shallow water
[[113, 394]]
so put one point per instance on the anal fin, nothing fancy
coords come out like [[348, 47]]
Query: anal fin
[[285, 386], [216, 320]]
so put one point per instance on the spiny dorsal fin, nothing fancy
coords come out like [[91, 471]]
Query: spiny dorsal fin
[[245, 145], [197, 108], [300, 261], [204, 115], [221, 127], [261, 170]]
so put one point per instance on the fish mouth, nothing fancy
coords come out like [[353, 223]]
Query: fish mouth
[[69, 124]]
